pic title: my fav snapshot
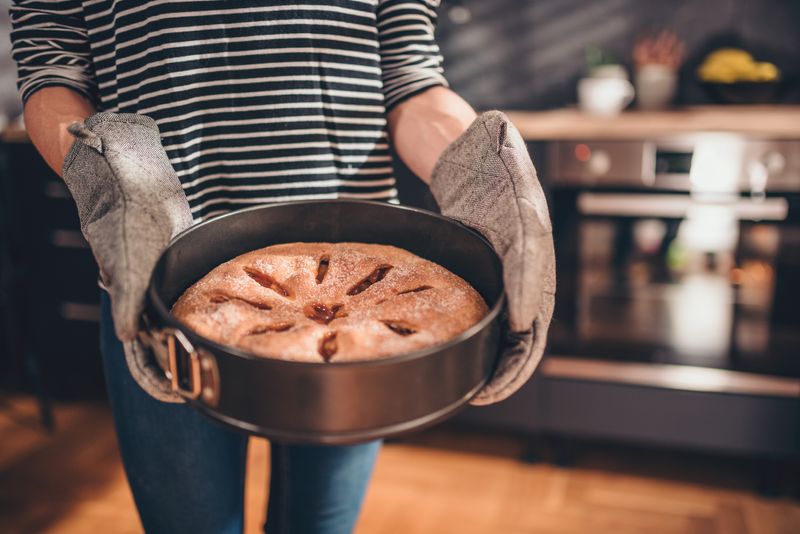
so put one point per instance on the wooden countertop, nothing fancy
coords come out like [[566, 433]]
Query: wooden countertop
[[774, 122]]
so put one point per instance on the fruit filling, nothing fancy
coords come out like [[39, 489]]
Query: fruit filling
[[266, 281], [327, 346]]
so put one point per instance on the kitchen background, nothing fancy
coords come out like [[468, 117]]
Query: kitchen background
[[667, 445], [517, 54]]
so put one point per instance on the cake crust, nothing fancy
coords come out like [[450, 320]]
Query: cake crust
[[330, 302]]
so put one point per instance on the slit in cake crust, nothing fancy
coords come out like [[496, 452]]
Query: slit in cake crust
[[220, 298], [322, 268], [415, 290], [267, 281], [407, 291], [378, 274], [264, 328], [399, 327]]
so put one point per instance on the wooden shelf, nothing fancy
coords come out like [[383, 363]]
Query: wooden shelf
[[14, 134]]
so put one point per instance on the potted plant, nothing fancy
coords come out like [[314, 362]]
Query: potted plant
[[657, 59]]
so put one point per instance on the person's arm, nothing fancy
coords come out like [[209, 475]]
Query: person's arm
[[55, 75], [479, 173], [424, 125], [48, 112], [424, 116]]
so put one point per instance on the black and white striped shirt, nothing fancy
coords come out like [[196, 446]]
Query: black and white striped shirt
[[257, 100]]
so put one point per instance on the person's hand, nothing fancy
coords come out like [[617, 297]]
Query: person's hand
[[130, 203], [486, 180]]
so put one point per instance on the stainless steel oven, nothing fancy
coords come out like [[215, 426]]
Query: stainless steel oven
[[681, 252], [677, 318]]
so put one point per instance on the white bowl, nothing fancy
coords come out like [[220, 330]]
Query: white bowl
[[604, 96]]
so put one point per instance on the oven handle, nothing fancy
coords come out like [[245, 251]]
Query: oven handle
[[669, 376], [677, 206]]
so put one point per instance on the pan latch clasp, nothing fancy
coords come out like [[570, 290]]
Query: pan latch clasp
[[183, 369], [192, 373]]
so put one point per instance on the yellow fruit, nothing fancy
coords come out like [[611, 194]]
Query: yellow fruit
[[767, 72], [717, 73], [731, 65], [730, 55]]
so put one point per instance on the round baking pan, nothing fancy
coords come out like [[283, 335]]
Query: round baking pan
[[313, 402]]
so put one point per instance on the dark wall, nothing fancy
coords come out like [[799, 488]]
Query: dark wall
[[530, 53]]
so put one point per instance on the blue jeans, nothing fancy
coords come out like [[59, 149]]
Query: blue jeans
[[187, 472]]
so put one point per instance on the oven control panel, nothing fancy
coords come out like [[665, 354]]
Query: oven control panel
[[600, 162], [705, 162]]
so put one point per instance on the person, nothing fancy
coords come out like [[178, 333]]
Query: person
[[164, 113]]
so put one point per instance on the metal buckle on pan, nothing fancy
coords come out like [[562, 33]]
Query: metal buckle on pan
[[176, 340], [171, 347]]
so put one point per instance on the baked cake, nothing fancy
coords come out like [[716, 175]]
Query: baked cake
[[330, 302]]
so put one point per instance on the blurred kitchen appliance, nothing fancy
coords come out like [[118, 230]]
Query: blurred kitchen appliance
[[681, 252], [677, 317]]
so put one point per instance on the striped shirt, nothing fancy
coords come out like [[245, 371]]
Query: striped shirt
[[257, 101]]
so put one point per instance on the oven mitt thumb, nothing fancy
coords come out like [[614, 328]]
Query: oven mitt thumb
[[130, 203], [486, 180]]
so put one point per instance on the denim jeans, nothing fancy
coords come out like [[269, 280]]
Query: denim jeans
[[187, 472]]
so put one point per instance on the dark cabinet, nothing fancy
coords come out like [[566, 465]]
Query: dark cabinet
[[50, 312]]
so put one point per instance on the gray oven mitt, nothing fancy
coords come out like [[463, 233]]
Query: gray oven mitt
[[130, 203], [486, 180]]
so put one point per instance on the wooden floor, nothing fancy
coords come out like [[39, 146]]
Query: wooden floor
[[441, 482]]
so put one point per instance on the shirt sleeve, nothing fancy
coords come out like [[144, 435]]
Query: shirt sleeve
[[50, 44], [410, 58]]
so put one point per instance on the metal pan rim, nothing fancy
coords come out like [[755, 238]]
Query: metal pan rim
[[349, 436]]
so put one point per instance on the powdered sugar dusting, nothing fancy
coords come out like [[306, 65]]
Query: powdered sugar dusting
[[390, 315]]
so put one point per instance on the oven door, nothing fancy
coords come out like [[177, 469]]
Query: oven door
[[670, 278], [678, 277]]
